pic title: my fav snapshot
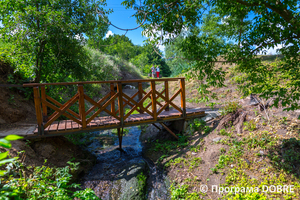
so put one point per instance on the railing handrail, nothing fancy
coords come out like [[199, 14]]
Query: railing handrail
[[95, 82], [82, 118]]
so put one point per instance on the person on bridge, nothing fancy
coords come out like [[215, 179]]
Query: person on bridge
[[157, 71], [153, 71]]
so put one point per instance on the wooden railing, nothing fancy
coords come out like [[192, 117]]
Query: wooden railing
[[43, 102]]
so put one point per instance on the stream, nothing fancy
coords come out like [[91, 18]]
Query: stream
[[118, 174]]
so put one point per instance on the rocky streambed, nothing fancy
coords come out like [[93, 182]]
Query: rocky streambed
[[123, 174]]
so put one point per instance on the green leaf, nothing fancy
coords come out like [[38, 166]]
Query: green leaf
[[13, 137], [2, 172], [5, 143], [3, 155], [2, 162]]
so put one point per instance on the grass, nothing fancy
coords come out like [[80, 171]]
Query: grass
[[272, 159]]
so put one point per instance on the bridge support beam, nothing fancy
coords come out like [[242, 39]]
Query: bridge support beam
[[120, 135], [169, 130]]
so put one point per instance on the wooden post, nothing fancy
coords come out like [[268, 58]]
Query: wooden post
[[182, 93], [120, 104], [43, 96], [140, 87], [38, 110], [120, 135], [81, 105], [112, 92], [153, 97], [167, 94]]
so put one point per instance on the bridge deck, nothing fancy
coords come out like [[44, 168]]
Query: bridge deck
[[106, 122], [83, 111]]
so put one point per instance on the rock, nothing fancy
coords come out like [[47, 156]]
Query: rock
[[217, 139], [128, 87], [128, 184], [211, 115]]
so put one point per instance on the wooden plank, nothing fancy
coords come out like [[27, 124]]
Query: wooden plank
[[61, 126], [170, 102], [61, 105], [112, 92], [120, 103], [96, 104], [153, 98], [82, 113], [98, 121], [156, 126], [140, 103], [69, 125], [167, 94], [95, 82], [44, 107], [140, 88], [103, 107], [182, 94], [92, 123], [75, 125], [38, 110], [54, 126], [61, 111]]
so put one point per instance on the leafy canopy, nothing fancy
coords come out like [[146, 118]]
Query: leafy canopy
[[47, 36], [241, 29]]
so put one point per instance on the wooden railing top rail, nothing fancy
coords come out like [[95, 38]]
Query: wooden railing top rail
[[95, 82]]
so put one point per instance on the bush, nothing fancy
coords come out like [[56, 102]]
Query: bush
[[230, 107], [44, 183]]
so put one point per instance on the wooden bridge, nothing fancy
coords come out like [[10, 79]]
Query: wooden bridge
[[83, 113]]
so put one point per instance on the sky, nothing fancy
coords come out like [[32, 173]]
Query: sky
[[123, 18]]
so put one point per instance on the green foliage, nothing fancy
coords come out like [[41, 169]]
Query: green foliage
[[5, 142], [224, 132], [116, 45], [46, 37], [250, 126], [166, 146], [232, 32], [230, 107], [182, 192], [197, 125], [142, 181], [44, 183], [175, 55], [143, 57], [179, 192]]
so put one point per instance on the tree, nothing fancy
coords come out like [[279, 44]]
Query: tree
[[119, 45], [148, 57], [273, 23], [47, 36]]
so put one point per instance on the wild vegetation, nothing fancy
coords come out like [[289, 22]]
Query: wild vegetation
[[217, 44]]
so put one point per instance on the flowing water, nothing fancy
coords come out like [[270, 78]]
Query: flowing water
[[113, 176]]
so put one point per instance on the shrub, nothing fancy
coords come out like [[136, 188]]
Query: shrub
[[230, 107]]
